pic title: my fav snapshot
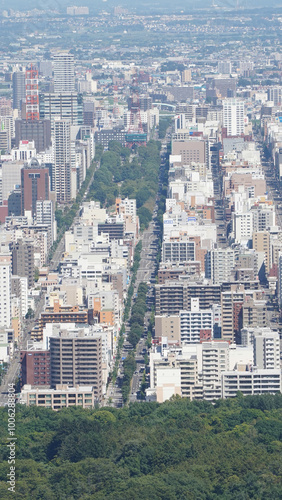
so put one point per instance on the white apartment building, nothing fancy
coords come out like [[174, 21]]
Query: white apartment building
[[215, 360], [243, 226], [45, 215], [233, 116], [263, 217], [266, 349], [219, 264], [192, 322], [5, 288], [250, 383]]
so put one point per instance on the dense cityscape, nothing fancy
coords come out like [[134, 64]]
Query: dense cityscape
[[141, 251]]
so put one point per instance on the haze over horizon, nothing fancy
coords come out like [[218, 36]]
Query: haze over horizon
[[143, 6]]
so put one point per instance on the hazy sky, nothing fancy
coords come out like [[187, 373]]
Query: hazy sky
[[144, 5]]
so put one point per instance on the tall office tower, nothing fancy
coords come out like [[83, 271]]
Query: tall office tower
[[76, 358], [63, 72], [65, 105], [62, 160], [266, 349], [23, 259], [233, 117], [19, 91], [32, 96], [34, 185], [5, 287], [274, 94]]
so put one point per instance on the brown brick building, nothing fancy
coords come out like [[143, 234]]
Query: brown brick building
[[35, 368]]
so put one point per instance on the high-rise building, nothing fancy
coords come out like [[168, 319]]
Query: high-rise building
[[261, 243], [224, 67], [243, 226], [15, 202], [280, 280], [274, 94], [178, 251], [215, 360], [194, 321], [62, 160], [253, 313], [89, 113], [23, 259], [231, 305], [263, 217], [35, 367], [192, 151], [38, 131], [45, 216], [19, 91], [175, 296], [186, 76], [20, 290], [7, 131], [34, 185], [32, 96], [11, 177], [5, 288], [233, 117], [223, 86], [219, 264], [63, 72], [63, 105], [266, 349], [76, 358]]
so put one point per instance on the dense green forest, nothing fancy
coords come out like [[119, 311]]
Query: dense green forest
[[124, 174], [178, 450]]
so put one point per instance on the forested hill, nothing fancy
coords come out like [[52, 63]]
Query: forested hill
[[175, 451]]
